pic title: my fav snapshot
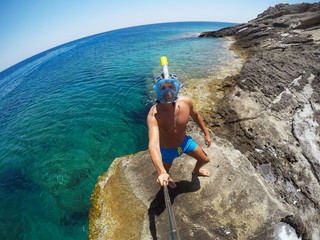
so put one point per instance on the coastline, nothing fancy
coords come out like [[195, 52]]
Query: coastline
[[265, 171], [110, 208], [272, 114], [113, 190], [207, 92]]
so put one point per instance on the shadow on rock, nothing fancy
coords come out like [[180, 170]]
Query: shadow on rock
[[158, 205]]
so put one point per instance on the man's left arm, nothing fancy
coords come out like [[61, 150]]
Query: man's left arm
[[198, 120]]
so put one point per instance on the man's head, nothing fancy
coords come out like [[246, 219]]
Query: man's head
[[167, 89]]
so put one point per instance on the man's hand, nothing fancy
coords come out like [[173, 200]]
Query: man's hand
[[207, 140], [165, 177]]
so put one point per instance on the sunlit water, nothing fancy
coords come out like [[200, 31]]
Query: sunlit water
[[67, 113]]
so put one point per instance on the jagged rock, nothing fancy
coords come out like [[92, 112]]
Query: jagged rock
[[274, 25], [272, 114], [265, 157]]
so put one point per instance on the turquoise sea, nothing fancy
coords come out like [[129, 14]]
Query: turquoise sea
[[67, 113]]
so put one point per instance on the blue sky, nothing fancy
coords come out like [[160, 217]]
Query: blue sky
[[28, 27]]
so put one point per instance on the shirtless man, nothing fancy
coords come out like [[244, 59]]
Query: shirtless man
[[167, 123]]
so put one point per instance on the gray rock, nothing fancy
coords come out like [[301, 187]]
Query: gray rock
[[233, 203], [274, 107]]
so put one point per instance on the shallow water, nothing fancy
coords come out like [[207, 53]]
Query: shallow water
[[67, 113]]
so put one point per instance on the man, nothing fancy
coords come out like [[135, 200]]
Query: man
[[167, 124]]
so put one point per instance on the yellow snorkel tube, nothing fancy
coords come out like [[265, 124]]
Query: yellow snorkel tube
[[167, 87], [164, 63]]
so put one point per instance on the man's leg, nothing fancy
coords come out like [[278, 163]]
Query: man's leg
[[202, 159], [167, 166]]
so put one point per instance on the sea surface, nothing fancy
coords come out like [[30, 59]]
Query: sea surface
[[67, 113]]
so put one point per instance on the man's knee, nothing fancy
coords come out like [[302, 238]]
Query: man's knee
[[206, 158]]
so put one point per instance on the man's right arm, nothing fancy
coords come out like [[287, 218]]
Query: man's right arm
[[154, 146]]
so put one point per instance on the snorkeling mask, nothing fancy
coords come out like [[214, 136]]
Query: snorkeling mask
[[167, 86]]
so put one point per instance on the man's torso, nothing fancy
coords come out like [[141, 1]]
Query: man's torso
[[173, 123]]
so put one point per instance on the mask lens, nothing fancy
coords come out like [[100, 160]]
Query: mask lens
[[169, 85], [167, 90]]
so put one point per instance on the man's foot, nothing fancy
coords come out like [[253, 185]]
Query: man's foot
[[201, 172]]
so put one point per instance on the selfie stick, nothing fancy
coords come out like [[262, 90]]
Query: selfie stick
[[172, 222]]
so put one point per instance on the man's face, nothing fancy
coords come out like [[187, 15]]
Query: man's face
[[168, 96], [167, 90]]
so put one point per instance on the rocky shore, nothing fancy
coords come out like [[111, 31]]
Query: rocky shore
[[265, 156]]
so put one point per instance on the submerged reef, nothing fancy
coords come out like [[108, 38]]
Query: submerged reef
[[265, 155]]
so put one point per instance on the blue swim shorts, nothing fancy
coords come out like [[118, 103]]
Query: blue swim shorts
[[169, 154]]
